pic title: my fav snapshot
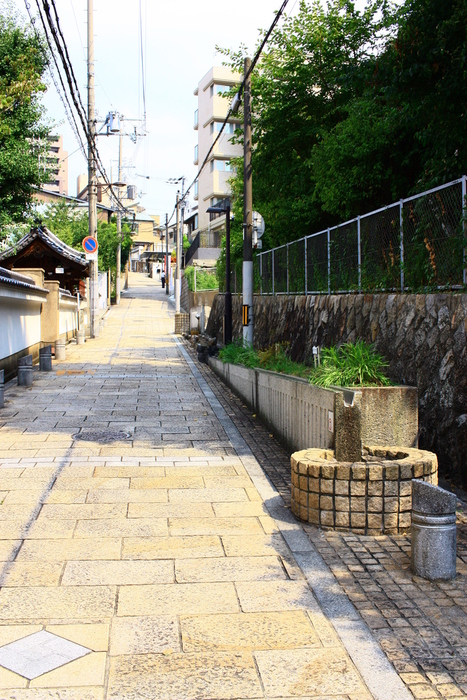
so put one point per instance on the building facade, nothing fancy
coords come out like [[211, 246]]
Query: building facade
[[57, 164], [213, 184]]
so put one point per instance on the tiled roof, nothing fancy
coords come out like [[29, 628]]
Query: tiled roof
[[49, 239]]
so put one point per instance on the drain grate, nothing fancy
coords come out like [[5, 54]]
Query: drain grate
[[104, 436]]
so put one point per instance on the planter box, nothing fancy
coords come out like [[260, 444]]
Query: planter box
[[302, 415]]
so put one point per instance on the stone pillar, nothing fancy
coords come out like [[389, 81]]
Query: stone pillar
[[348, 426], [50, 313], [60, 352], [25, 371], [45, 359], [433, 531], [2, 388]]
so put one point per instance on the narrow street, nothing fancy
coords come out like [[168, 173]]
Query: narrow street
[[137, 524]]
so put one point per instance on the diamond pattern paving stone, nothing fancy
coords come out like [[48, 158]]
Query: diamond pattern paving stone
[[39, 653]]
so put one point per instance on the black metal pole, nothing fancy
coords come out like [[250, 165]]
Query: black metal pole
[[228, 295]]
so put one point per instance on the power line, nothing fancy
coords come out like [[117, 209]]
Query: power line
[[63, 98], [58, 38], [239, 93]]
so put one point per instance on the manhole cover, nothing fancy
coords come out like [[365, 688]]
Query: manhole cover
[[102, 436]]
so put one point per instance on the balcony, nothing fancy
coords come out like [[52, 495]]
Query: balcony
[[204, 239]]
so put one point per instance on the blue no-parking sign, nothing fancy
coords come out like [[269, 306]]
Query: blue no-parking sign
[[90, 244]]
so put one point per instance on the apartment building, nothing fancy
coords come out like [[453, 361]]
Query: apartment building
[[213, 183], [57, 163]]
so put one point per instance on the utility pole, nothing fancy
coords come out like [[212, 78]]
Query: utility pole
[[119, 224], [167, 254], [178, 278], [179, 229], [92, 179], [247, 213]]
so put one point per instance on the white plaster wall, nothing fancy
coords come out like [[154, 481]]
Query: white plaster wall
[[20, 323], [67, 318]]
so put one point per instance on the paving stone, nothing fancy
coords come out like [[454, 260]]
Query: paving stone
[[39, 653], [127, 496], [214, 526], [268, 596], [271, 630], [144, 635], [190, 547], [295, 672], [85, 511], [229, 569], [182, 599], [201, 676], [89, 670], [122, 527], [51, 694], [118, 573], [23, 573], [210, 495], [95, 636], [37, 602], [71, 549], [170, 510]]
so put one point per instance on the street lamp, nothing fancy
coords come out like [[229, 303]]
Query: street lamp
[[228, 296]]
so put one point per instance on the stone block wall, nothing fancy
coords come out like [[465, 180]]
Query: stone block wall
[[423, 336]]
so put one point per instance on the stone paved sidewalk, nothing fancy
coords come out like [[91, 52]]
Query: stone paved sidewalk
[[137, 539], [421, 626]]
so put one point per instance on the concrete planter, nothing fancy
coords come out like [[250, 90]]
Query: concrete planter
[[302, 415], [371, 496]]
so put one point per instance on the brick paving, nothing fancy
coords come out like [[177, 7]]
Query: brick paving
[[420, 626]]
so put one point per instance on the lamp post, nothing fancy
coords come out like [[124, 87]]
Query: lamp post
[[228, 295]]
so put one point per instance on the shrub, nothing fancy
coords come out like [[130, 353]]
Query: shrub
[[353, 364]]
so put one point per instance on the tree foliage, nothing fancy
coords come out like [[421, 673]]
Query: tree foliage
[[352, 110], [70, 224], [23, 135]]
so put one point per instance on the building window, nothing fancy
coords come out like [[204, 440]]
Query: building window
[[217, 126], [221, 165], [196, 153], [196, 118], [196, 188], [219, 89]]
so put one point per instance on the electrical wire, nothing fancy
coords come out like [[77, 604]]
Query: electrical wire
[[58, 38], [63, 97], [239, 93]]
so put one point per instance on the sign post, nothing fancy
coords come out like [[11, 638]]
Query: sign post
[[90, 247]]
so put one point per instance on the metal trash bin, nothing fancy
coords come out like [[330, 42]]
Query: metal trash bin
[[433, 531]]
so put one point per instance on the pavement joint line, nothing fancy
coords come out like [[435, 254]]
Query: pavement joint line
[[377, 672]]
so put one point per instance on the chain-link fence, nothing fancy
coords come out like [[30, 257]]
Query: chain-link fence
[[418, 243]]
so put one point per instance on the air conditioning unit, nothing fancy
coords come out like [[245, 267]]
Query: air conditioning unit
[[131, 192]]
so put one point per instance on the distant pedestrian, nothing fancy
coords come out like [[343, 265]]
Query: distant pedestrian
[[163, 279]]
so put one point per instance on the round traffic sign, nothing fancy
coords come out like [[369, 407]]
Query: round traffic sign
[[90, 244]]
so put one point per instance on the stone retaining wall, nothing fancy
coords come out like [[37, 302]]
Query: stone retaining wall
[[423, 336], [368, 497]]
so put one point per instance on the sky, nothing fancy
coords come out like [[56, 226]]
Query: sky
[[179, 40]]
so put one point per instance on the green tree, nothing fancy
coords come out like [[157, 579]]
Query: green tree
[[406, 131], [23, 144], [70, 224], [300, 91]]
